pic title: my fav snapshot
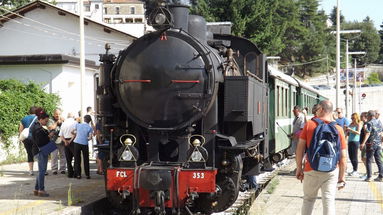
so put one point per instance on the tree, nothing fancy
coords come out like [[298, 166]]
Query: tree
[[373, 78], [368, 41], [333, 16], [13, 4], [380, 58], [313, 41], [15, 100]]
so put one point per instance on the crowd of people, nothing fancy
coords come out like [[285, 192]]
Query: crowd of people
[[362, 133], [64, 140]]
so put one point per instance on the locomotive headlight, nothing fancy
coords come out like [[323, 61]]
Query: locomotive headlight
[[196, 156], [160, 19], [196, 142], [127, 155], [128, 141]]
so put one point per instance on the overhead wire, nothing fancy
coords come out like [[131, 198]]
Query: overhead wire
[[52, 28], [54, 35], [310, 62]]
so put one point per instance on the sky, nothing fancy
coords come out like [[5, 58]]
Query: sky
[[357, 9]]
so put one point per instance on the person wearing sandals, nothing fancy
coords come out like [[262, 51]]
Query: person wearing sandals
[[41, 137]]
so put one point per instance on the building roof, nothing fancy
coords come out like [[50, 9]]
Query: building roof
[[43, 59], [42, 5], [124, 1]]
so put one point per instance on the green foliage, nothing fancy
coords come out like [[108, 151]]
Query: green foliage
[[292, 29], [367, 41], [70, 195], [13, 4], [333, 17], [373, 78], [272, 185], [15, 100], [11, 158], [380, 58]]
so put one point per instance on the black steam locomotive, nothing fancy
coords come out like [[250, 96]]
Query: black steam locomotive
[[185, 111]]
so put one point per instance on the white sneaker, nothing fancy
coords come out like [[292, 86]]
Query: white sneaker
[[355, 174], [31, 173], [363, 177]]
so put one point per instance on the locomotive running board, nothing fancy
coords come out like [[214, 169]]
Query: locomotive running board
[[243, 146]]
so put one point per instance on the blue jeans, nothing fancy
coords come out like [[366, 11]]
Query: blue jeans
[[42, 163], [252, 180], [376, 152]]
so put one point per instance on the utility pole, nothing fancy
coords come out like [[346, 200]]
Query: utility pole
[[354, 90], [82, 58], [354, 94], [337, 53], [347, 87]]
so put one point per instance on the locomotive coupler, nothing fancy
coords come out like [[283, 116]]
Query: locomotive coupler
[[160, 202], [125, 194]]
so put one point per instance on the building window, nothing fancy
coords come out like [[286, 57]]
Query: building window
[[87, 7], [107, 20], [132, 10], [96, 6], [138, 20], [117, 20], [105, 10], [129, 20], [117, 10]]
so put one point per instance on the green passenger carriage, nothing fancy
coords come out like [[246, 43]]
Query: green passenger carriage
[[285, 93]]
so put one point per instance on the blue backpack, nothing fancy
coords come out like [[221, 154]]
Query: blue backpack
[[324, 150]]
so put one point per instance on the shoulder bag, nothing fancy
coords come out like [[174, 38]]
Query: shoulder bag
[[25, 133]]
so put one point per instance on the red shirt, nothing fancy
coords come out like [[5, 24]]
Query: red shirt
[[307, 135]]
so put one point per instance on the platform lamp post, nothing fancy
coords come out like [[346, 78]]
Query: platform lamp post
[[347, 81], [82, 59], [338, 60], [354, 87], [337, 53]]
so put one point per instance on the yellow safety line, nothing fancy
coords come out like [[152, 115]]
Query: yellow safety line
[[23, 207], [377, 193]]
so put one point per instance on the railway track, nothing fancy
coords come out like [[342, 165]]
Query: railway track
[[245, 199]]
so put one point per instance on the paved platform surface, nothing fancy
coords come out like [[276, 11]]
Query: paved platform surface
[[284, 196], [16, 191]]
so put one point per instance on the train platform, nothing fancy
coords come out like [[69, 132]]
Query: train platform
[[16, 192], [283, 195]]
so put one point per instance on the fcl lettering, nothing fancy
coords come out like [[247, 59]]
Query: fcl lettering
[[121, 174]]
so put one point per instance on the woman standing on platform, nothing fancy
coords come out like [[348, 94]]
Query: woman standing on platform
[[41, 137], [353, 131]]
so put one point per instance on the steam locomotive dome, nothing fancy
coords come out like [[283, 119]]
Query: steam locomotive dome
[[164, 80]]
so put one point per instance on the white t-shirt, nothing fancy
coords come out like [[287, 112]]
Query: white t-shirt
[[67, 127]]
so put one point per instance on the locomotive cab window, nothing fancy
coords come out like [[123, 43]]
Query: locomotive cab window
[[250, 63]]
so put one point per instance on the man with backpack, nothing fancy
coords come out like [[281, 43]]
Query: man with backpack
[[372, 141], [325, 162]]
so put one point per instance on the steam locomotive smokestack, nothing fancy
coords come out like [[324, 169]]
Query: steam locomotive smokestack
[[180, 16]]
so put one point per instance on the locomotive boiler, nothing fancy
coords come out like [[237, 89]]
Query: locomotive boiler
[[185, 112]]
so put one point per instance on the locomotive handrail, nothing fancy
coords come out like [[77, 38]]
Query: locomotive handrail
[[185, 81], [140, 81]]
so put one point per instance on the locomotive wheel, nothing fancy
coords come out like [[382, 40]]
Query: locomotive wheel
[[227, 193]]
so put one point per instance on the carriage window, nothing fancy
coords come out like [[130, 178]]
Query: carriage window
[[286, 102], [283, 102], [277, 102]]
